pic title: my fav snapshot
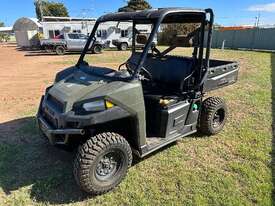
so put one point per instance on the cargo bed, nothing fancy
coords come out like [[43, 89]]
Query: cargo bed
[[172, 70], [220, 74]]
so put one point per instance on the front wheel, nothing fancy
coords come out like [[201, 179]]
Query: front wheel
[[102, 162], [97, 49], [213, 116], [123, 46]]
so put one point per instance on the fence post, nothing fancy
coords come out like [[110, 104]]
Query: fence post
[[223, 44]]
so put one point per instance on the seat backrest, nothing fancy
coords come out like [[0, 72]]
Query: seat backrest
[[170, 70]]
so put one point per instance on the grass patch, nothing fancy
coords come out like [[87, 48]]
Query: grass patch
[[231, 168]]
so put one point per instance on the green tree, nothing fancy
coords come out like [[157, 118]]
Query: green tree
[[3, 36], [50, 8], [168, 31], [135, 5]]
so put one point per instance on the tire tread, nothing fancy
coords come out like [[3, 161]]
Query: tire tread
[[87, 154], [208, 108]]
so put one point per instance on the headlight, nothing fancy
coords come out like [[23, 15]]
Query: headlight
[[97, 106]]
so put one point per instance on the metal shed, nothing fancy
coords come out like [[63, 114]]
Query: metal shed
[[27, 32]]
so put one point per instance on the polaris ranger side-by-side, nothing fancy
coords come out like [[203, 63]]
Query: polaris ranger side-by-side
[[152, 100]]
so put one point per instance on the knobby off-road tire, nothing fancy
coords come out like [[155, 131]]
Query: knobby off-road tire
[[102, 162], [213, 116]]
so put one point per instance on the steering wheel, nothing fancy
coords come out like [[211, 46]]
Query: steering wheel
[[155, 51], [145, 72]]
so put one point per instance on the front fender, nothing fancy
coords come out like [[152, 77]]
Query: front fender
[[64, 73], [109, 115]]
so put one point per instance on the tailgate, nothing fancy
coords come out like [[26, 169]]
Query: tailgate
[[222, 74]]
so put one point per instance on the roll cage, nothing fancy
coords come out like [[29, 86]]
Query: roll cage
[[156, 17]]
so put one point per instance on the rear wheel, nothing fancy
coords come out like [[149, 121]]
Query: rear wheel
[[60, 50], [213, 116], [97, 49], [123, 46], [102, 162]]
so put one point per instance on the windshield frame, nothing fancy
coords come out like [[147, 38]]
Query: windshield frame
[[92, 39], [203, 65]]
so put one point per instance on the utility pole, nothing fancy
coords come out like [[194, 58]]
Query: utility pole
[[258, 22], [257, 18]]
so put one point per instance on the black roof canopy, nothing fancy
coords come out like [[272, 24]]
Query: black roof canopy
[[172, 15]]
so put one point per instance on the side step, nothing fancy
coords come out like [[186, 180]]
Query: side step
[[155, 143]]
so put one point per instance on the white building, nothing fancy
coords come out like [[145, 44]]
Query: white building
[[6, 29], [9, 32], [29, 31], [53, 26]]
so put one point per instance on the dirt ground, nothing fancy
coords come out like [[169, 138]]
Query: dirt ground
[[231, 168], [24, 76]]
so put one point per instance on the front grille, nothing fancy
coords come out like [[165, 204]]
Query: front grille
[[50, 120], [55, 103]]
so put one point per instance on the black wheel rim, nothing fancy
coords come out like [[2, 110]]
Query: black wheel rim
[[109, 165], [218, 118]]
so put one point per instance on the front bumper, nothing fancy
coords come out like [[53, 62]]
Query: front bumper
[[56, 136], [64, 125]]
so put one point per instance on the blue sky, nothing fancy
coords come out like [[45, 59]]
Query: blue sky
[[234, 12]]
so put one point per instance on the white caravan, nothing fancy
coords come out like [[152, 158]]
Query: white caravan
[[113, 32]]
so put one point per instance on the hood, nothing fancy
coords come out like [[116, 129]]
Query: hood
[[75, 86]]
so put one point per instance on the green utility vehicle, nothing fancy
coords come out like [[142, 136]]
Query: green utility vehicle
[[150, 101]]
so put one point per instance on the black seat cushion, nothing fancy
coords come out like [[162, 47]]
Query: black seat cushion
[[168, 70]]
